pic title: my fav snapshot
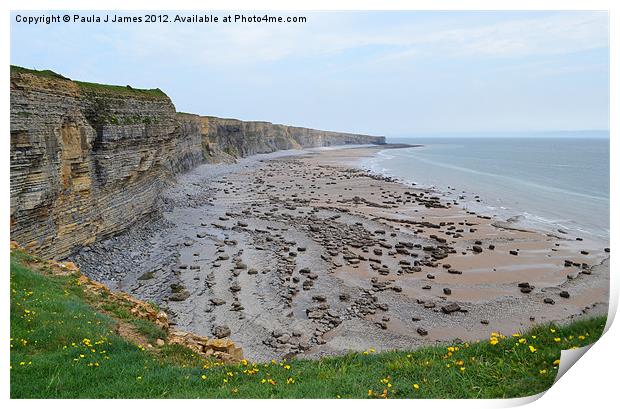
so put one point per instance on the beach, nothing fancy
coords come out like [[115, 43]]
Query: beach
[[306, 254]]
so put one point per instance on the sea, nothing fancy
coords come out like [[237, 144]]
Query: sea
[[548, 181]]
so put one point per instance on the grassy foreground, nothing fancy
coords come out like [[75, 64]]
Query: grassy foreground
[[61, 347]]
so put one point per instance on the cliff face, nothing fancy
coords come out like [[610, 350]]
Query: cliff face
[[243, 138], [89, 160]]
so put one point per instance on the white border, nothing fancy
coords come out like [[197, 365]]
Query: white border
[[590, 383]]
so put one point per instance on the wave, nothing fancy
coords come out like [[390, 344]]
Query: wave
[[509, 179], [587, 217]]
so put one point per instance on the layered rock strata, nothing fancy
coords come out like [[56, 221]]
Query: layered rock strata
[[89, 160]]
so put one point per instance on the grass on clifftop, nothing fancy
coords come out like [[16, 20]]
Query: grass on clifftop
[[61, 347], [40, 73], [93, 87]]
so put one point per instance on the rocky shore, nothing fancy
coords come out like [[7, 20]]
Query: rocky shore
[[307, 255], [90, 160]]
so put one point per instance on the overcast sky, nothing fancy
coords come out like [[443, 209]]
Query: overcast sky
[[381, 73]]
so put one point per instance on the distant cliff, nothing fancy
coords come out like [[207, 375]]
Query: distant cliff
[[243, 138], [88, 160]]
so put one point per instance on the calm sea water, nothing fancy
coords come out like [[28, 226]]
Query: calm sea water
[[548, 183]]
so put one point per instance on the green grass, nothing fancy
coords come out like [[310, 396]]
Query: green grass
[[40, 73], [92, 87], [62, 347]]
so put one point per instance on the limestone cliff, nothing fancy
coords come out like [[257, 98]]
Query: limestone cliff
[[88, 160], [243, 138]]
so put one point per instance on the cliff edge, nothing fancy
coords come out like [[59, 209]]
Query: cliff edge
[[88, 160]]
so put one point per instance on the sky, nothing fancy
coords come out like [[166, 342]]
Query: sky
[[380, 73]]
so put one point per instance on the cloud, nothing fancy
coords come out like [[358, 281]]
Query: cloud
[[328, 34], [562, 33]]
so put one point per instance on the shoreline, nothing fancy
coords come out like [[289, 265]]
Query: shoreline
[[304, 255], [485, 200]]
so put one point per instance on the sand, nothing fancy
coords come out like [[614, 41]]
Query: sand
[[307, 255]]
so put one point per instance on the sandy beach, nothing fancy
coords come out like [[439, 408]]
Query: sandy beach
[[304, 254]]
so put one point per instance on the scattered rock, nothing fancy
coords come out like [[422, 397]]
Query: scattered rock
[[147, 276], [381, 325], [450, 308], [221, 331]]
